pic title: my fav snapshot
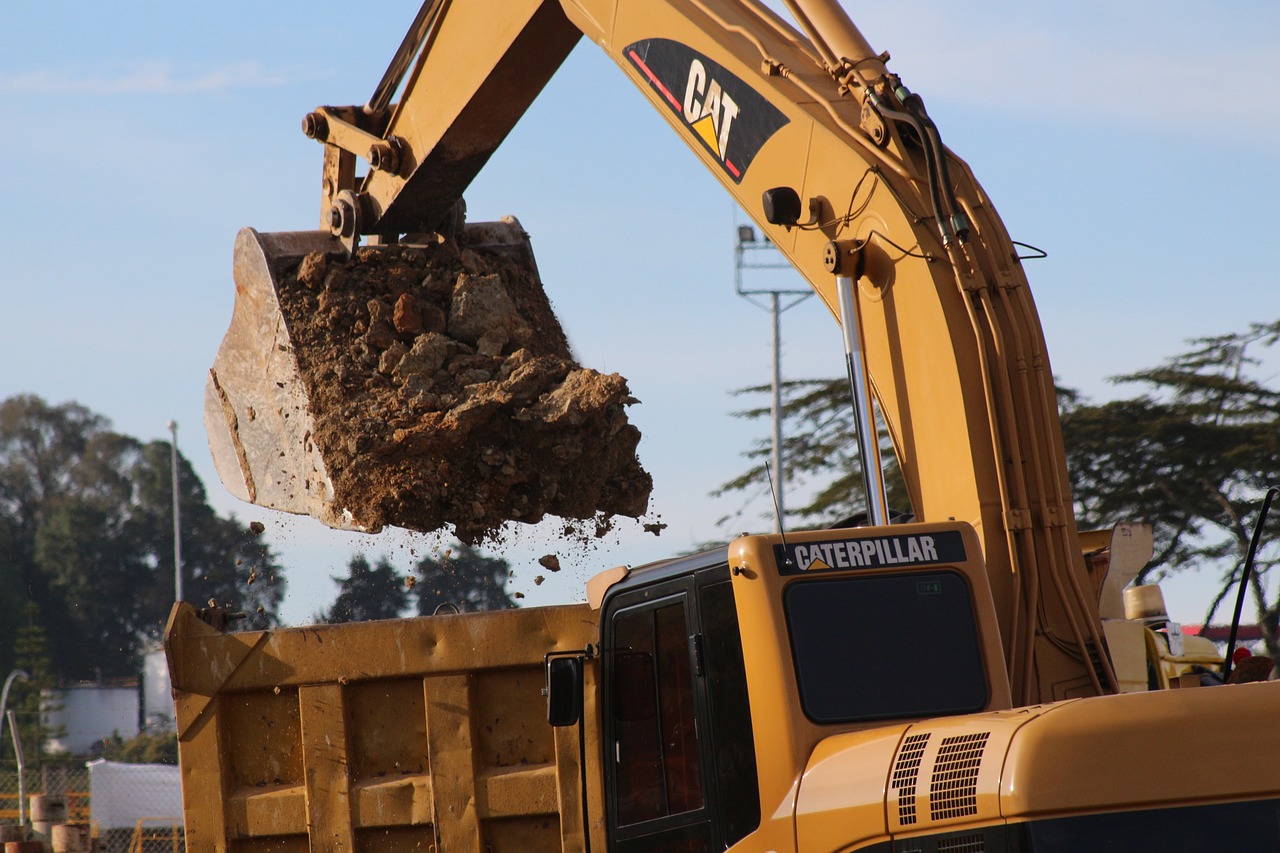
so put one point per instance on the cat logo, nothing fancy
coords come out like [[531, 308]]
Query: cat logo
[[709, 110], [729, 118]]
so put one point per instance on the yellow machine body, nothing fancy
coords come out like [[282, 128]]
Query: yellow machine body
[[402, 734], [754, 697]]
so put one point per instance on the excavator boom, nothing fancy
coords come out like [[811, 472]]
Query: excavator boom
[[840, 166]]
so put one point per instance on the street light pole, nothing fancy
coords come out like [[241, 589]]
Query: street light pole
[[6, 714], [776, 407], [18, 674], [177, 523], [747, 242]]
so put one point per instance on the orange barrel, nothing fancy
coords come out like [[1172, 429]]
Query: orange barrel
[[24, 847]]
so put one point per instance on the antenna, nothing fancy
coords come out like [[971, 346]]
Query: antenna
[[777, 510]]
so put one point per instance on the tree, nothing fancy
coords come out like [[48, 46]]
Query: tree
[[367, 592], [86, 535], [462, 578], [142, 749], [1193, 457], [31, 655], [222, 559], [39, 448]]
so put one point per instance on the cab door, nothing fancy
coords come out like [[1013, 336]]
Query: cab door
[[672, 750]]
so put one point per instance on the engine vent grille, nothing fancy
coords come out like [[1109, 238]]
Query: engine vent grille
[[973, 842], [953, 790], [906, 770]]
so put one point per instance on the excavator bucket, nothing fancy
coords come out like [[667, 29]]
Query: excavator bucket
[[256, 409], [412, 385]]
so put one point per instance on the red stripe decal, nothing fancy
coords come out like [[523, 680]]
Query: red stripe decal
[[666, 93], [733, 168]]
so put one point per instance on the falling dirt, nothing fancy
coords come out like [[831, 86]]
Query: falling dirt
[[444, 393]]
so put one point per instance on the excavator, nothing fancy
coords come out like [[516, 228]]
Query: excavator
[[969, 680]]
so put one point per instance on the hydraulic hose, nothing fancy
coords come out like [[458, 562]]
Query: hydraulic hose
[[915, 105], [931, 166]]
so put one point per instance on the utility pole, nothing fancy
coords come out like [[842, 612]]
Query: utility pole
[[177, 524], [751, 253]]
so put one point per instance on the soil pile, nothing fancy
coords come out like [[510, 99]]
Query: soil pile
[[444, 393]]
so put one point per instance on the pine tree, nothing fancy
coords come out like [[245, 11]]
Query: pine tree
[[31, 656], [462, 579], [820, 446], [367, 592], [1192, 457]]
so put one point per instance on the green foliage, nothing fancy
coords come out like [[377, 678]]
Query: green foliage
[[143, 749], [86, 536], [367, 592], [1192, 457], [462, 578], [31, 656]]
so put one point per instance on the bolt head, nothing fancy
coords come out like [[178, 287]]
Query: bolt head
[[315, 126], [831, 257]]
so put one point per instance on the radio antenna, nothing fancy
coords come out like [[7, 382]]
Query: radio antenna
[[777, 511]]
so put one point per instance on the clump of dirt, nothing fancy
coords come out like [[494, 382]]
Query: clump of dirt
[[444, 393]]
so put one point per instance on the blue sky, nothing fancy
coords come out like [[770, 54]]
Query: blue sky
[[1136, 142]]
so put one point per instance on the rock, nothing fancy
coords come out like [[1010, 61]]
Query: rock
[[406, 317], [380, 334], [427, 355], [312, 269], [482, 313], [391, 358], [444, 393]]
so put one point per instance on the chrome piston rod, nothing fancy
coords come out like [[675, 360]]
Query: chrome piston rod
[[863, 414]]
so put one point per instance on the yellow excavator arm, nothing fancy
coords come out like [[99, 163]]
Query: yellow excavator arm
[[841, 167]]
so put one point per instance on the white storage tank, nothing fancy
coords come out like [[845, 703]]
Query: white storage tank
[[84, 714]]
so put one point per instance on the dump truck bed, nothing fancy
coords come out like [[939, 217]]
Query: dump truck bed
[[381, 736]]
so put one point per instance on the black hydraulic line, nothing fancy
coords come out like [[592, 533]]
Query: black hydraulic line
[[959, 223], [1244, 579], [931, 167], [413, 41], [915, 105]]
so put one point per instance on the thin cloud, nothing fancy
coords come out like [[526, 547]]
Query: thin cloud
[[1112, 74], [155, 78]]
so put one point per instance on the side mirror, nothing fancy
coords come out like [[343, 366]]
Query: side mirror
[[564, 690], [781, 206]]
